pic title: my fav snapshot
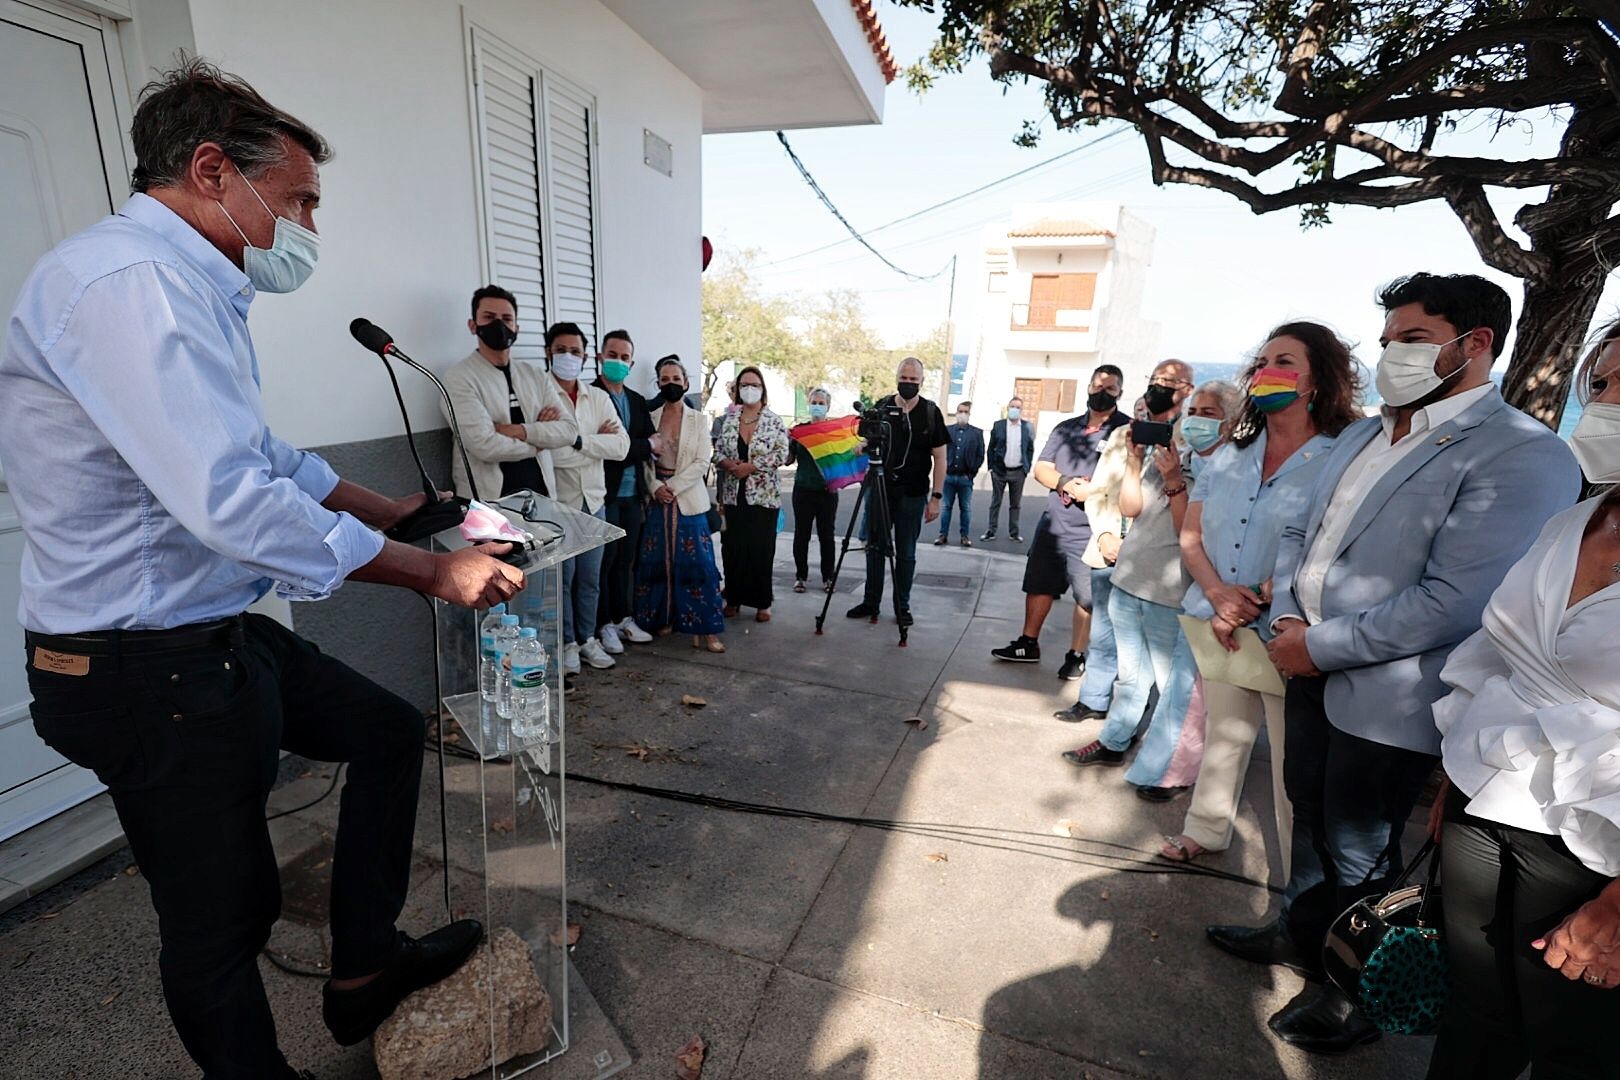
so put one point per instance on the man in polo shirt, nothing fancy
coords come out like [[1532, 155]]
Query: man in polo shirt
[[1056, 563]]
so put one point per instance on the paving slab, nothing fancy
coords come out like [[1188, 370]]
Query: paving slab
[[812, 1030]]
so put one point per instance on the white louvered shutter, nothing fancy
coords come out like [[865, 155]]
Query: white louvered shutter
[[570, 119], [509, 134]]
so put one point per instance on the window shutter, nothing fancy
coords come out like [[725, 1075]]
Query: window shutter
[[570, 121], [507, 96], [1066, 396]]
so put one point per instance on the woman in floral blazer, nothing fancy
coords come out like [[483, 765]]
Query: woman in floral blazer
[[752, 447]]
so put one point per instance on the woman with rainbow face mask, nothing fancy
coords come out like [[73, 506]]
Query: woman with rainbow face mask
[[1303, 389]]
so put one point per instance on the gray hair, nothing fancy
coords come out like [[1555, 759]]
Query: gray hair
[[1227, 393], [922, 369], [198, 103], [820, 391]]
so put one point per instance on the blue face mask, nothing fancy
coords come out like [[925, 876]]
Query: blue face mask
[[818, 411], [1200, 432], [290, 258], [1014, 412]]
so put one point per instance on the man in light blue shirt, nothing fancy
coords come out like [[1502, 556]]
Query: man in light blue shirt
[[156, 506]]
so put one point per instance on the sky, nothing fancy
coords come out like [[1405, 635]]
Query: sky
[[1221, 275]]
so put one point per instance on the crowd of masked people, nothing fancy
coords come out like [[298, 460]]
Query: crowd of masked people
[[1435, 602]]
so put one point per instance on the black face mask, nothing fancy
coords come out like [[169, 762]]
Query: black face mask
[[497, 335], [1102, 401], [672, 392], [1159, 399], [909, 390]]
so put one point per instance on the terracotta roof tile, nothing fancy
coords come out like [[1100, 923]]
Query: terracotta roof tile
[[1050, 227], [866, 12]]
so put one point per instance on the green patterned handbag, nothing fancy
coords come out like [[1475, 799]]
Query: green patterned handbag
[[1388, 954]]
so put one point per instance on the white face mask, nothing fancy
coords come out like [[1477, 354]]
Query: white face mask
[[289, 260], [1596, 442], [1406, 371], [961, 418], [567, 366], [750, 395]]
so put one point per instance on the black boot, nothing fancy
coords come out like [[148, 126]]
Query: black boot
[[1321, 1020], [351, 1015], [1269, 944]]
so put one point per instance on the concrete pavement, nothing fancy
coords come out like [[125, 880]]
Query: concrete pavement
[[952, 935]]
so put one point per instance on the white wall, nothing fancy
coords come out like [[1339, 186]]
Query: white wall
[[387, 83]]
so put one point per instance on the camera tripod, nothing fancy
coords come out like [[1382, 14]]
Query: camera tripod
[[879, 530]]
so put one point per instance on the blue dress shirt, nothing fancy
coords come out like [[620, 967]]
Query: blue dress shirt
[[150, 491], [1243, 516]]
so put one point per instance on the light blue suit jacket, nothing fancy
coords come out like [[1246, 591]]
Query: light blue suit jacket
[[1423, 553]]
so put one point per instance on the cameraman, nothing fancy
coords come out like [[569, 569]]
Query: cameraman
[[914, 442]]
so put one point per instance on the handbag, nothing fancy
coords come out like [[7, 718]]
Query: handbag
[[1388, 953], [717, 521]]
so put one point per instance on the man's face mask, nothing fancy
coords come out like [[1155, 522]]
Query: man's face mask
[[567, 366], [908, 390], [615, 370], [496, 334], [290, 258]]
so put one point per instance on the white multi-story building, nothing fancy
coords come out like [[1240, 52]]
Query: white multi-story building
[[1061, 292]]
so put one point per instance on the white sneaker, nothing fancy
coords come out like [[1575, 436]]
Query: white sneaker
[[629, 631], [571, 659], [591, 652], [610, 640]]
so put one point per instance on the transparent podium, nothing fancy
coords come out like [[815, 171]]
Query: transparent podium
[[505, 827]]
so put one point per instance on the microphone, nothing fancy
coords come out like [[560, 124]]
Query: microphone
[[438, 514]]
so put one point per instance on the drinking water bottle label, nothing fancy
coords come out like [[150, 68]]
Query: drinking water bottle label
[[528, 677]]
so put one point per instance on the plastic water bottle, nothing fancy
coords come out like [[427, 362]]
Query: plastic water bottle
[[529, 704], [490, 674], [506, 638]]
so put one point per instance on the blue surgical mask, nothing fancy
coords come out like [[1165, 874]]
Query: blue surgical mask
[[818, 411], [289, 260], [1014, 412], [1200, 432]]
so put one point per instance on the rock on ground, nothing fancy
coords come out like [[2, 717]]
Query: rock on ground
[[444, 1030]]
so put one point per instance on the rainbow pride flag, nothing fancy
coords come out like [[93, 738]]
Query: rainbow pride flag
[[836, 450]]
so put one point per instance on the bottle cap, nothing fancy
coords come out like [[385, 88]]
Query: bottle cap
[[509, 620], [528, 631], [498, 609]]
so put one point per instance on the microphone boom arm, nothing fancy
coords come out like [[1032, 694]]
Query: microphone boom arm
[[450, 407]]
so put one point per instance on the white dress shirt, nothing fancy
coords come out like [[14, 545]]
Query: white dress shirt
[[1374, 462], [580, 480], [1531, 732], [1013, 455]]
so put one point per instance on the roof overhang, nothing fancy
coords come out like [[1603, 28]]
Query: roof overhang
[[769, 64]]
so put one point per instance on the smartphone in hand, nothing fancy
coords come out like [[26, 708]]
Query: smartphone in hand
[[1150, 433]]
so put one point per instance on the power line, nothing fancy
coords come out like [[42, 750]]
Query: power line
[[981, 189], [828, 203]]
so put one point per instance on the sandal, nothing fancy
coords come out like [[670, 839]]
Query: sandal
[[827, 586], [731, 611], [798, 586], [1181, 849], [762, 615], [713, 645], [664, 631]]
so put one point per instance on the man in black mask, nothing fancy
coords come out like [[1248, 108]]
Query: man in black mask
[[1055, 565], [509, 409], [913, 477]]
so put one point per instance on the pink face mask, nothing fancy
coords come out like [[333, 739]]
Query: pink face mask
[[485, 523]]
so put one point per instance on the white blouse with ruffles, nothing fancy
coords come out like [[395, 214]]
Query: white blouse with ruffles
[[1531, 732]]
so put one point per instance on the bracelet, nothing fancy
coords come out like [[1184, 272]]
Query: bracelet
[[1172, 492]]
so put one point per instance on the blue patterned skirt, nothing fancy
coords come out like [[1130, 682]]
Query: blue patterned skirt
[[677, 584]]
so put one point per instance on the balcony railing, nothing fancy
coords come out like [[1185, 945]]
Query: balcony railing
[[1047, 315]]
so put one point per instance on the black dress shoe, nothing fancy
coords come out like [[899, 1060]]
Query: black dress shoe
[[1159, 794], [862, 611], [1095, 753], [1269, 944], [940, 542], [351, 1015], [1078, 712], [1321, 1020], [903, 617]]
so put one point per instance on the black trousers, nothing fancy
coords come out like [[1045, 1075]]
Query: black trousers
[[1352, 799], [816, 507], [1010, 483], [1504, 888], [188, 743], [618, 598]]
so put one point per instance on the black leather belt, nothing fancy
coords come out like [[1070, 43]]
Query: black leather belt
[[130, 642]]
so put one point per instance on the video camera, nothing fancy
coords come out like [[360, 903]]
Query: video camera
[[876, 427]]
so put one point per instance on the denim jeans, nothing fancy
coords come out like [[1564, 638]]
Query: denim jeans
[[1163, 736], [581, 590], [908, 521], [957, 489], [1102, 656], [1145, 635]]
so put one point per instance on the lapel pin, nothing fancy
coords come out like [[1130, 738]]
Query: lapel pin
[[1442, 440]]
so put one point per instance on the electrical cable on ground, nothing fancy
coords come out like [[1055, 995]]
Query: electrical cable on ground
[[336, 776], [853, 232]]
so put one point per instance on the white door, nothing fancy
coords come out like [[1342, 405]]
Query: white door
[[61, 161]]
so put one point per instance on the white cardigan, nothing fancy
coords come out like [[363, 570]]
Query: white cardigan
[[580, 480], [478, 391], [691, 461]]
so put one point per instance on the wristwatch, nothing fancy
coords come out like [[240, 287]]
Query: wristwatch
[[937, 495]]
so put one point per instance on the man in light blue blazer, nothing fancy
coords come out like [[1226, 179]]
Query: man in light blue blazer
[[1415, 519]]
